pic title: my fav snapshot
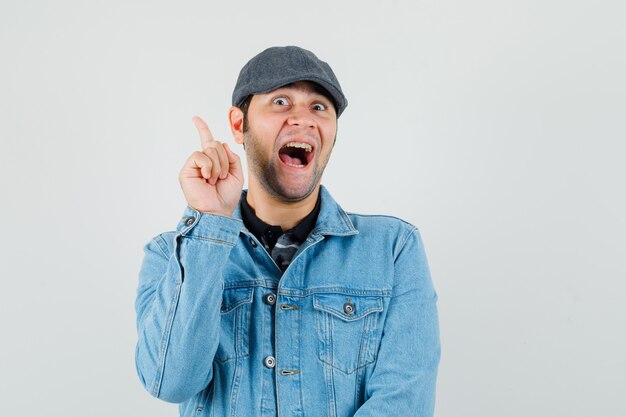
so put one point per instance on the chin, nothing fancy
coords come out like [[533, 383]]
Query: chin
[[292, 194]]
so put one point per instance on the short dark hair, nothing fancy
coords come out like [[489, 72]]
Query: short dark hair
[[316, 87], [244, 109]]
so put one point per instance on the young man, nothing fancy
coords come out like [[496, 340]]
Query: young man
[[274, 301]]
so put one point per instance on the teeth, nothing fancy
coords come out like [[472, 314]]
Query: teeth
[[304, 146], [294, 165]]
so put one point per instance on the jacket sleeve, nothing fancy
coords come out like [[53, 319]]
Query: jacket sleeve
[[404, 376], [178, 304]]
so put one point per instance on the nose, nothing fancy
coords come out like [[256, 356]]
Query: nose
[[301, 116]]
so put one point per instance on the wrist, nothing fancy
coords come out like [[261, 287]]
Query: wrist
[[222, 213], [217, 212]]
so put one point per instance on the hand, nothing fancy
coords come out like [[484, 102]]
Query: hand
[[212, 179]]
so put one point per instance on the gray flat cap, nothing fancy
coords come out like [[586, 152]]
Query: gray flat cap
[[278, 66]]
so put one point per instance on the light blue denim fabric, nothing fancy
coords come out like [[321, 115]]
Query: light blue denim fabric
[[354, 330]]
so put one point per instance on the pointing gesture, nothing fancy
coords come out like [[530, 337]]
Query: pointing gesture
[[211, 179], [206, 137]]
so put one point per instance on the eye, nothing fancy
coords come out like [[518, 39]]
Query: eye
[[319, 106], [281, 101]]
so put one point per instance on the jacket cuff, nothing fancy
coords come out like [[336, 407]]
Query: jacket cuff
[[209, 226]]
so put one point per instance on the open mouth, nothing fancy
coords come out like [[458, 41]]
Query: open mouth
[[296, 154]]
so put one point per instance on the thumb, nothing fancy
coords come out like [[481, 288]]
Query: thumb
[[234, 163]]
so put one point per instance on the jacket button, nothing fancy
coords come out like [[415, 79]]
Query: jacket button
[[269, 362], [253, 243], [348, 308], [189, 221], [270, 299]]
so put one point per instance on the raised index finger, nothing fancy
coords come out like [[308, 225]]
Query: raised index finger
[[205, 134]]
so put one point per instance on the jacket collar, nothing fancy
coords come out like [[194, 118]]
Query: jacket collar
[[332, 219]]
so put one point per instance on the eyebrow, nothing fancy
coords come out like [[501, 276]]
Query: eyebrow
[[316, 88]]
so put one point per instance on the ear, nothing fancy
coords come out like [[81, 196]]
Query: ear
[[235, 118]]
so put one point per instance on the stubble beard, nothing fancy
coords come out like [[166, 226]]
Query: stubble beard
[[265, 171]]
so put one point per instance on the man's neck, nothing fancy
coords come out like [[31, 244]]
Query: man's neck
[[286, 214]]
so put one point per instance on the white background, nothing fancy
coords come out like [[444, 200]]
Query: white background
[[495, 126]]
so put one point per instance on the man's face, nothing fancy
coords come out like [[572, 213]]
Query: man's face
[[290, 136]]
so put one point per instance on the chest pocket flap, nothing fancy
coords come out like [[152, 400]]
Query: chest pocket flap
[[347, 307]]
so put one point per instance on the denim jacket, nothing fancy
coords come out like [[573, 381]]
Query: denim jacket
[[349, 329]]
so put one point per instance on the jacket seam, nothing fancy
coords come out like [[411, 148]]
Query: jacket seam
[[165, 342], [410, 231], [162, 243], [210, 239], [382, 216]]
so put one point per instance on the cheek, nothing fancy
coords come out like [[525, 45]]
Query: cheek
[[266, 124], [329, 133], [271, 124]]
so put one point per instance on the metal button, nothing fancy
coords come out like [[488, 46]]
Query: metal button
[[270, 299], [348, 308], [190, 221], [253, 243], [269, 362]]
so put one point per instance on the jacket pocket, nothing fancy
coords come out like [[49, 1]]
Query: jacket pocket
[[347, 329], [234, 323]]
